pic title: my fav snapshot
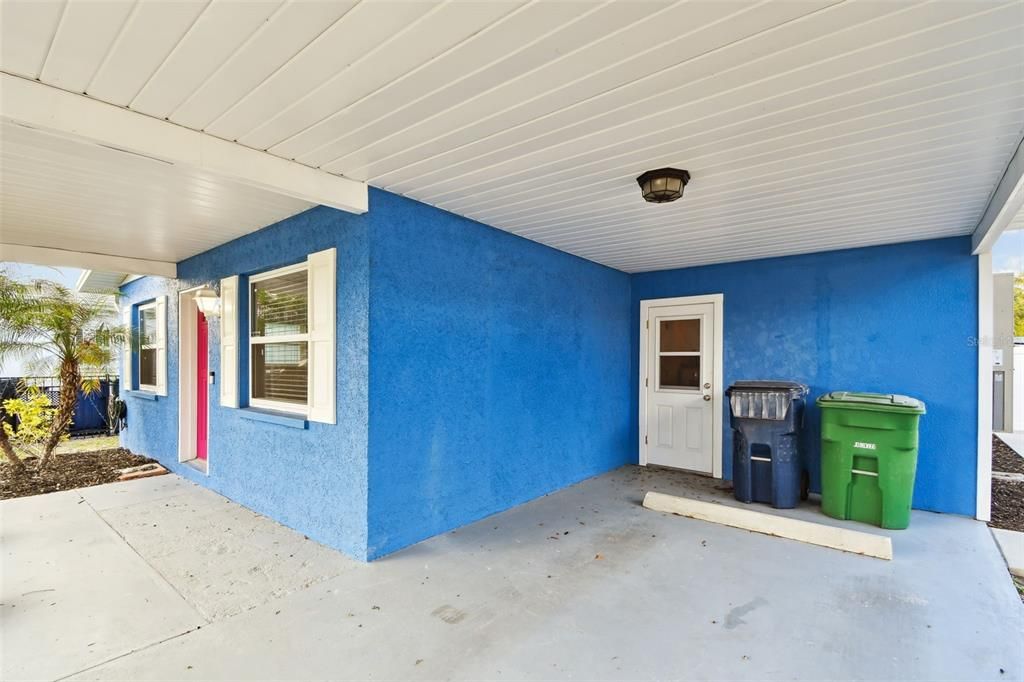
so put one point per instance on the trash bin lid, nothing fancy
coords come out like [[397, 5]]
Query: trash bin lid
[[764, 399], [874, 402], [794, 388]]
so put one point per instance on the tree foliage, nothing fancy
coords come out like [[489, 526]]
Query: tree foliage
[[35, 422], [1018, 305], [64, 333]]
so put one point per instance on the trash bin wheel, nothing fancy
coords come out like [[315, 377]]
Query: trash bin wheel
[[805, 485]]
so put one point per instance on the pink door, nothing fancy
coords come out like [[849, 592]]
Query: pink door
[[202, 387]]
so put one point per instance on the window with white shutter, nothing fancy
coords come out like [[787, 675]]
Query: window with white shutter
[[279, 339], [152, 354], [127, 355], [229, 341], [292, 338]]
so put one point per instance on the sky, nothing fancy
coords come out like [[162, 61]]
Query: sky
[[15, 367], [19, 271], [1008, 253]]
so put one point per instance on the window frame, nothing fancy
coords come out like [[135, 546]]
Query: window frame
[[157, 347], [699, 354], [263, 403]]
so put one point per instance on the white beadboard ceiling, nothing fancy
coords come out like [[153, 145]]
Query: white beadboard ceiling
[[62, 194], [806, 125], [1017, 223]]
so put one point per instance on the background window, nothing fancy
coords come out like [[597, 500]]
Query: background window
[[279, 342], [148, 341]]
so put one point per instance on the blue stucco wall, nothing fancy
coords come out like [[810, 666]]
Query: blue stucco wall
[[889, 319], [313, 480], [478, 370], [499, 371]]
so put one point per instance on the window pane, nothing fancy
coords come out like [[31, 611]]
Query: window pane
[[147, 325], [279, 372], [680, 371], [680, 335], [279, 305], [147, 367]]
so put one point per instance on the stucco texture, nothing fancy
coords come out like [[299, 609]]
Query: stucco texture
[[499, 371], [887, 319], [478, 370], [313, 480], [496, 368]]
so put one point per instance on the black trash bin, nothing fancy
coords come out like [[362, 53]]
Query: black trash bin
[[766, 418]]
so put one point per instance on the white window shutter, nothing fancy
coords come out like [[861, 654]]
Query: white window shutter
[[229, 341], [128, 355], [321, 376], [161, 345]]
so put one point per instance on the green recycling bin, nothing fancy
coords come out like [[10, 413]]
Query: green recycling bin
[[869, 456]]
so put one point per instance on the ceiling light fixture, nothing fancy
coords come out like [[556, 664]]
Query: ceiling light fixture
[[663, 185]]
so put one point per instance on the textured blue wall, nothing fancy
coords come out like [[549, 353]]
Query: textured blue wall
[[889, 319], [499, 371], [313, 480], [478, 370]]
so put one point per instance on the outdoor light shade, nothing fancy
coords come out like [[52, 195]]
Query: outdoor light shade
[[207, 301], [663, 185]]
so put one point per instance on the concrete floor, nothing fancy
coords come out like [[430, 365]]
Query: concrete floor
[[1014, 439], [160, 579]]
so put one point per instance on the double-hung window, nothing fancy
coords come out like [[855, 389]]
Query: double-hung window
[[291, 334], [279, 339], [149, 341], [151, 358]]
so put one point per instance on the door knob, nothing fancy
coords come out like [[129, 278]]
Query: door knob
[[707, 385], [707, 397]]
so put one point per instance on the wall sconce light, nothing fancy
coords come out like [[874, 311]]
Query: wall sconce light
[[663, 185], [207, 301]]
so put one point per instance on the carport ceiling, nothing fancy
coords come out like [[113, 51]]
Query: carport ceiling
[[806, 125], [63, 194]]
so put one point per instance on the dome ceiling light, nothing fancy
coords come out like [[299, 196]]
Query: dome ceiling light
[[663, 185]]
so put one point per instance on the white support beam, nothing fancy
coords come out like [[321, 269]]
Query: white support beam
[[1002, 208], [65, 113], [983, 480], [37, 255]]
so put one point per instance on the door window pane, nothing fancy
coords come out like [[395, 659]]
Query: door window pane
[[279, 305], [279, 371], [679, 371], [680, 335]]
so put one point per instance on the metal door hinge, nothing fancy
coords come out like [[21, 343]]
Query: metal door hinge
[[646, 380], [647, 324], [645, 440]]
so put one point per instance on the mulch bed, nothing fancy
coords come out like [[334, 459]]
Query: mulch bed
[[1005, 459], [1007, 496], [1007, 505], [67, 471]]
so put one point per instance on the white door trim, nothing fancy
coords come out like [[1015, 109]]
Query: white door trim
[[718, 301], [187, 380]]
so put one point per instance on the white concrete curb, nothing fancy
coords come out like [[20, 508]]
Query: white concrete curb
[[856, 542], [1011, 544]]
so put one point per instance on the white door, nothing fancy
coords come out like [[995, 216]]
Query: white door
[[681, 396]]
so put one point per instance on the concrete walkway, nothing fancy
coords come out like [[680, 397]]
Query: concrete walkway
[[1015, 440], [160, 579]]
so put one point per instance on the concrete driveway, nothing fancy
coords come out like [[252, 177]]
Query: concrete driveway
[[161, 579]]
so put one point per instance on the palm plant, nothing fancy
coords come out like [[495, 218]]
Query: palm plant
[[67, 333]]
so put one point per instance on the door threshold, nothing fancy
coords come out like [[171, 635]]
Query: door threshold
[[665, 467], [198, 464]]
